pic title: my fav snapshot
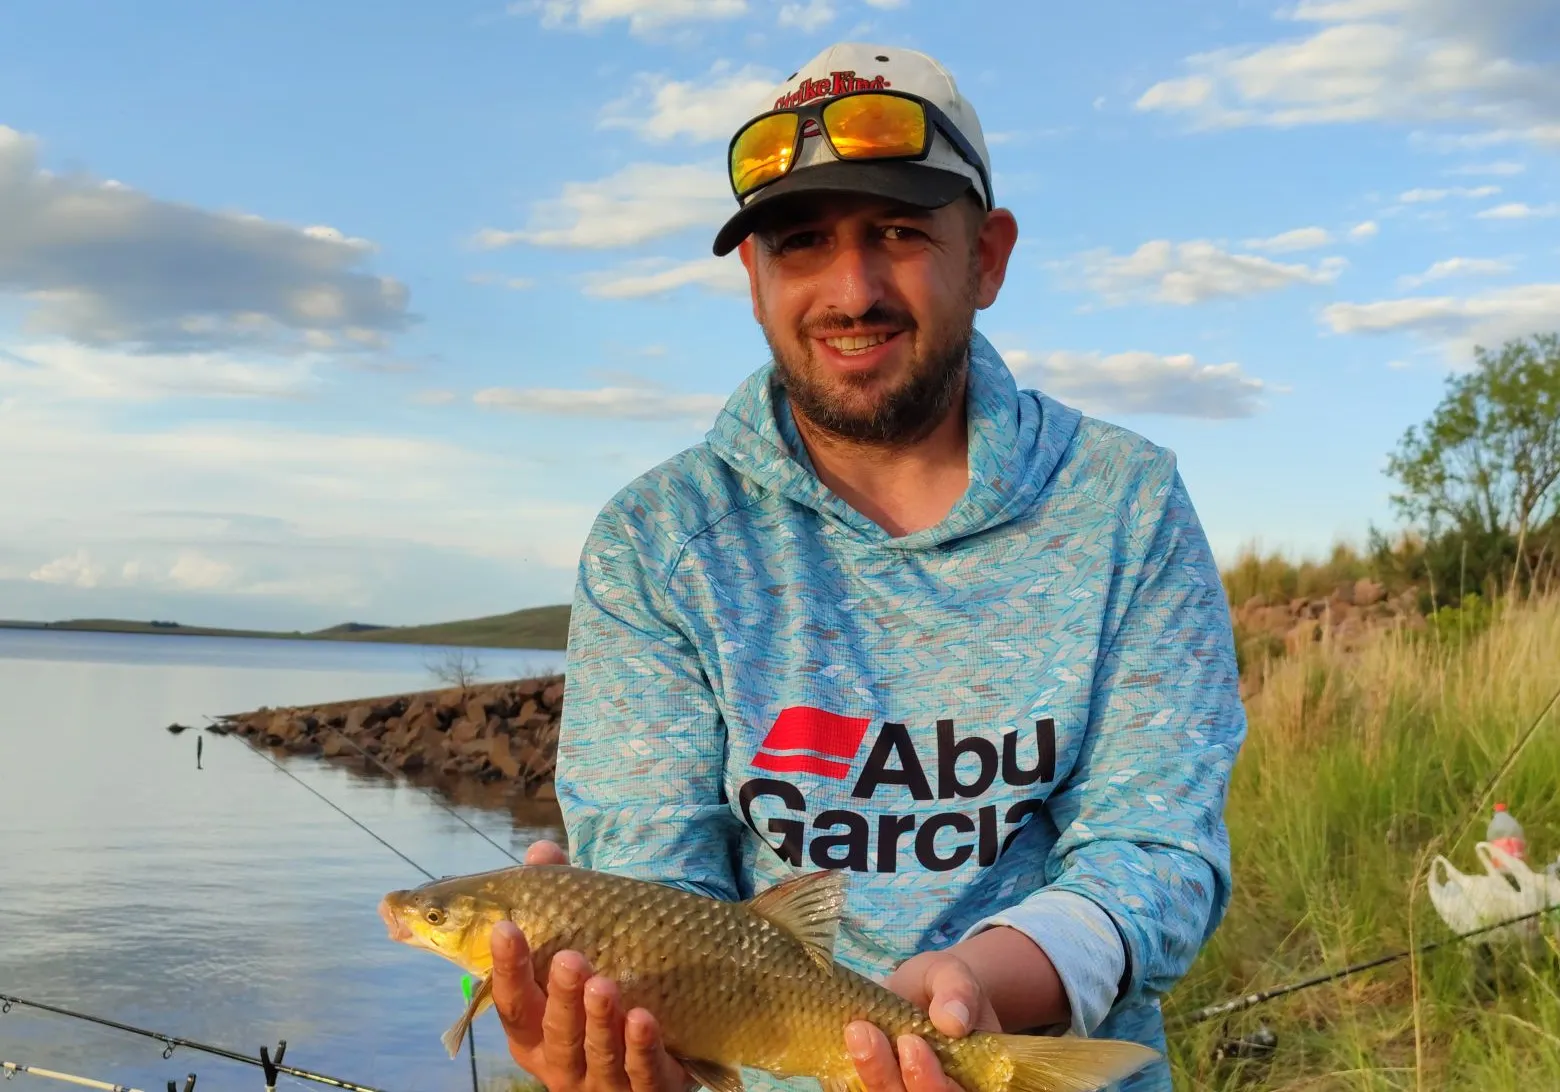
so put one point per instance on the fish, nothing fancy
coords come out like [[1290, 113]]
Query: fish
[[751, 983]]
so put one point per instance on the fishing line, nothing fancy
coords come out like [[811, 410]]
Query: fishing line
[[386, 769], [173, 1041], [327, 800]]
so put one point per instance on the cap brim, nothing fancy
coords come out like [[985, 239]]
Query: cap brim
[[899, 180]]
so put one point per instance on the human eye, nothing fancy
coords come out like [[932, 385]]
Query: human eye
[[792, 241]]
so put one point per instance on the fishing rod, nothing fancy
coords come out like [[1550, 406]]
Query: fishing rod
[[1252, 1000], [269, 1065], [12, 1068]]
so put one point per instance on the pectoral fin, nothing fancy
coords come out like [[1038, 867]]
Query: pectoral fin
[[481, 998], [713, 1075]]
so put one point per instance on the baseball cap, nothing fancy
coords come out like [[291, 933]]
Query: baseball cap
[[931, 182]]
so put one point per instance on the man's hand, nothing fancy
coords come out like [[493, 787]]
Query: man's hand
[[996, 980], [575, 1037], [945, 986]]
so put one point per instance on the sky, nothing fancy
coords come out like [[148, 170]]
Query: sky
[[361, 311]]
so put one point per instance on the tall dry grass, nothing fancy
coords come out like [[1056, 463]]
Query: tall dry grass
[[1355, 766]]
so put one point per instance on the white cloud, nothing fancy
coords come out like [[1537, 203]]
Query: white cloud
[[1457, 323], [62, 369], [1517, 210], [886, 5], [659, 277], [640, 202], [1141, 383], [642, 16], [1424, 196], [814, 15], [705, 109], [434, 398], [108, 266], [1365, 230], [1307, 238], [77, 569], [1499, 169], [624, 403], [1436, 62], [1457, 267], [1192, 272]]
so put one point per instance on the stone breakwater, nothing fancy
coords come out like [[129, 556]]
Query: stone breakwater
[[502, 733]]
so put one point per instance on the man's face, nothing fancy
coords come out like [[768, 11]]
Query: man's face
[[868, 306]]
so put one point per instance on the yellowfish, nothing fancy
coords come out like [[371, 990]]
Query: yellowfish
[[733, 984]]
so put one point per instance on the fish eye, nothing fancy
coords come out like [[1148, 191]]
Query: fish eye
[[435, 916]]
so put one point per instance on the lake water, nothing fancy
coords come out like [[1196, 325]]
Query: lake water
[[226, 904]]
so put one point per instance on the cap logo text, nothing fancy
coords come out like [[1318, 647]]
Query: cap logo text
[[838, 83]]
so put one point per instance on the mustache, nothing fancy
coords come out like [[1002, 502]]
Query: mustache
[[878, 314]]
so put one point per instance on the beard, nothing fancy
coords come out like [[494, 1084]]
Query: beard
[[897, 417]]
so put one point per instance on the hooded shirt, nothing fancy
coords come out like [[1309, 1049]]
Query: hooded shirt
[[1025, 715]]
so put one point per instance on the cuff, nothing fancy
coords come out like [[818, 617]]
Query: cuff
[[1082, 944]]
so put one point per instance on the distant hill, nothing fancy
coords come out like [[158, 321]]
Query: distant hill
[[534, 627]]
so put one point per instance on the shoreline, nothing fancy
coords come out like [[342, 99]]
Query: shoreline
[[490, 744]]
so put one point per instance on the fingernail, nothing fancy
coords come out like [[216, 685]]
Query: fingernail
[[959, 1013], [909, 1060], [858, 1041], [567, 973]]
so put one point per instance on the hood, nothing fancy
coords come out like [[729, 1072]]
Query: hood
[[1016, 437]]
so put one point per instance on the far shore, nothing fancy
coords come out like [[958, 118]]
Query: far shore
[[544, 629]]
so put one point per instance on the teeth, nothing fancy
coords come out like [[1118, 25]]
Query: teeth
[[855, 344]]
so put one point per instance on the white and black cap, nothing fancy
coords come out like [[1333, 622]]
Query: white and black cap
[[932, 182]]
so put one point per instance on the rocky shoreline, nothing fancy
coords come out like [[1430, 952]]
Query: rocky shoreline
[[501, 734]]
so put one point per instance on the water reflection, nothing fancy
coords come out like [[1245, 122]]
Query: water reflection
[[225, 904]]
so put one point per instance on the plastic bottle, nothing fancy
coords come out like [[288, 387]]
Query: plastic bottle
[[1505, 833]]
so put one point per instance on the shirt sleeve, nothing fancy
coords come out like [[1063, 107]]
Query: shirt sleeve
[[1143, 843], [641, 743]]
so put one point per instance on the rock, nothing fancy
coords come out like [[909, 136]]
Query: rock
[[552, 697], [463, 731], [476, 711], [1367, 593], [1256, 602], [1305, 632], [545, 791], [503, 758]]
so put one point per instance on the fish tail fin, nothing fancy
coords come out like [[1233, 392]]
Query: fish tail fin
[[1070, 1063], [481, 998]]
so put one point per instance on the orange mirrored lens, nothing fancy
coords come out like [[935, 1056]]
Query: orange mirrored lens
[[763, 152], [870, 126]]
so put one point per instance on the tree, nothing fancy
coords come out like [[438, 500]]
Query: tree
[[1487, 462], [459, 667]]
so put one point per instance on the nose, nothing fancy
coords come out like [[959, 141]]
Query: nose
[[853, 280]]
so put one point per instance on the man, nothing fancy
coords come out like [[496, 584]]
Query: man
[[898, 616]]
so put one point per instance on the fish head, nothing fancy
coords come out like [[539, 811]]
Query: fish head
[[453, 924]]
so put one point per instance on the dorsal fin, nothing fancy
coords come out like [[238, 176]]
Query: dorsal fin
[[808, 907]]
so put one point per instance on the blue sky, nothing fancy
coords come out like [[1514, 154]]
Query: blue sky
[[311, 312]]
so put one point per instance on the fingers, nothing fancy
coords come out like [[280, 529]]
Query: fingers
[[516, 997], [954, 995], [649, 1067], [921, 1069], [545, 853], [563, 1021], [874, 1059], [603, 1034]]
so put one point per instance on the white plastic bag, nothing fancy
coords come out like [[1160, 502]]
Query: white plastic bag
[[1468, 902]]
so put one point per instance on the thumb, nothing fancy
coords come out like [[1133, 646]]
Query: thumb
[[956, 997]]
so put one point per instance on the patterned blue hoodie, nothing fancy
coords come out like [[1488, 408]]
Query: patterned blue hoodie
[[1025, 715]]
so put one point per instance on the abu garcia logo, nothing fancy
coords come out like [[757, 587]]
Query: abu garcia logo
[[815, 741]]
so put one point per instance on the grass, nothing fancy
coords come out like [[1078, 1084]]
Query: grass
[[535, 627], [1358, 768]]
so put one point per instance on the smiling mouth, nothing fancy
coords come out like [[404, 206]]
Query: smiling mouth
[[857, 344]]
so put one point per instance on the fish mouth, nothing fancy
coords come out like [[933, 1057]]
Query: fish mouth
[[393, 924]]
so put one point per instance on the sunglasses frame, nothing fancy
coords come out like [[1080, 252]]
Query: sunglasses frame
[[813, 111]]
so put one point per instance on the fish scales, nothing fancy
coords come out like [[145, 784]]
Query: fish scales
[[732, 984]]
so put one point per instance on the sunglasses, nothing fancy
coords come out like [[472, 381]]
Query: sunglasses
[[858, 125]]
